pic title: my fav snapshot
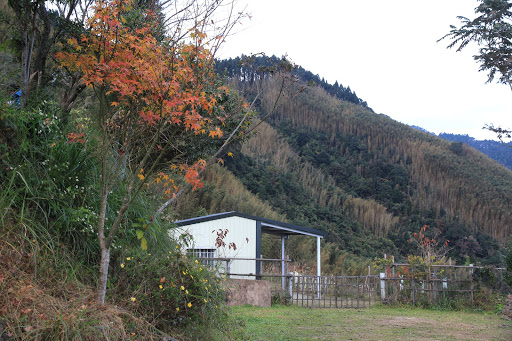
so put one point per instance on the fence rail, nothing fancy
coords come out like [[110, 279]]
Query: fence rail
[[324, 291], [335, 291], [435, 283], [399, 283]]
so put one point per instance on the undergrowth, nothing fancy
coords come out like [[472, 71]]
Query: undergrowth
[[49, 252]]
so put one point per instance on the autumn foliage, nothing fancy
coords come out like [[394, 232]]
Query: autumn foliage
[[432, 250], [144, 84]]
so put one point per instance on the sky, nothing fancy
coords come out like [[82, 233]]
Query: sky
[[387, 52]]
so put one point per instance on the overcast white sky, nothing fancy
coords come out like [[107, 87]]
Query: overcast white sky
[[386, 51]]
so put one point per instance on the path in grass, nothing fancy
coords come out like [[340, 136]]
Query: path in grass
[[377, 323]]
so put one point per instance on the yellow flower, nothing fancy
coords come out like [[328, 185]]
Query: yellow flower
[[161, 287], [186, 292], [176, 246], [200, 269], [177, 309], [128, 258], [204, 299], [197, 262], [182, 287], [133, 299], [122, 265], [189, 304], [140, 176]]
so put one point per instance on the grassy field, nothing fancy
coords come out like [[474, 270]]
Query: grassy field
[[376, 323]]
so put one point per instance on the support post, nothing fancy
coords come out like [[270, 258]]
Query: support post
[[318, 265], [258, 250], [282, 264]]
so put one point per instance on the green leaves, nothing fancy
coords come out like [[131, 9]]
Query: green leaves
[[140, 234], [143, 241], [491, 30]]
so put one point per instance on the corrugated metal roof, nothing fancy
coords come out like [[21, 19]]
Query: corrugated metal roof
[[267, 225]]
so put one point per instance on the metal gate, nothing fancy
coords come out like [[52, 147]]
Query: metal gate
[[331, 291]]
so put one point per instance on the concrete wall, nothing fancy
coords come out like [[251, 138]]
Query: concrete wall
[[245, 291]]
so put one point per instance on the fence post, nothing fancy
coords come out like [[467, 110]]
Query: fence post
[[336, 292], [290, 285], [357, 283], [434, 284], [382, 286], [413, 287], [472, 286]]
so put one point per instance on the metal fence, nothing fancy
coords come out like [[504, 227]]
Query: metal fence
[[399, 283], [412, 284], [334, 291]]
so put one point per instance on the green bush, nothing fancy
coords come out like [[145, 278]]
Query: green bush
[[55, 178], [168, 289]]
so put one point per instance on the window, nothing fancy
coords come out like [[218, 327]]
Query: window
[[203, 255]]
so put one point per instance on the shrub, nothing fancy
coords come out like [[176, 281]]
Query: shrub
[[168, 289]]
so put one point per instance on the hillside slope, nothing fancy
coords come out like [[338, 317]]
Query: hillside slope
[[368, 180]]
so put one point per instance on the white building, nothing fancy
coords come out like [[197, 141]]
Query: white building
[[237, 235]]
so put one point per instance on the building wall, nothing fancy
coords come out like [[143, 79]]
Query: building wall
[[240, 231]]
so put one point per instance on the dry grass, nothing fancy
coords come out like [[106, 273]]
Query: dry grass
[[42, 302]]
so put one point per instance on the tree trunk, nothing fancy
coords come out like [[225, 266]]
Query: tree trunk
[[70, 93], [26, 58], [103, 276], [45, 41], [104, 246], [26, 15]]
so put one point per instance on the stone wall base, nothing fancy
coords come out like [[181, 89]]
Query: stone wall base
[[506, 313], [249, 291]]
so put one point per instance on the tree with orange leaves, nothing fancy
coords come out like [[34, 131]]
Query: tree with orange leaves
[[432, 251], [154, 95]]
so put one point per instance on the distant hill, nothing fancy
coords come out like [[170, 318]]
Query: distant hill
[[493, 149], [369, 181], [249, 69]]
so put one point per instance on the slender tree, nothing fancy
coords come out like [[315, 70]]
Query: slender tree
[[153, 95]]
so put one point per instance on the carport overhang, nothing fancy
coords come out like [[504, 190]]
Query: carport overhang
[[264, 225]]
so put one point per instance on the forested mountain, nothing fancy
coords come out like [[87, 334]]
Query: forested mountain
[[493, 149], [368, 180], [249, 69]]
